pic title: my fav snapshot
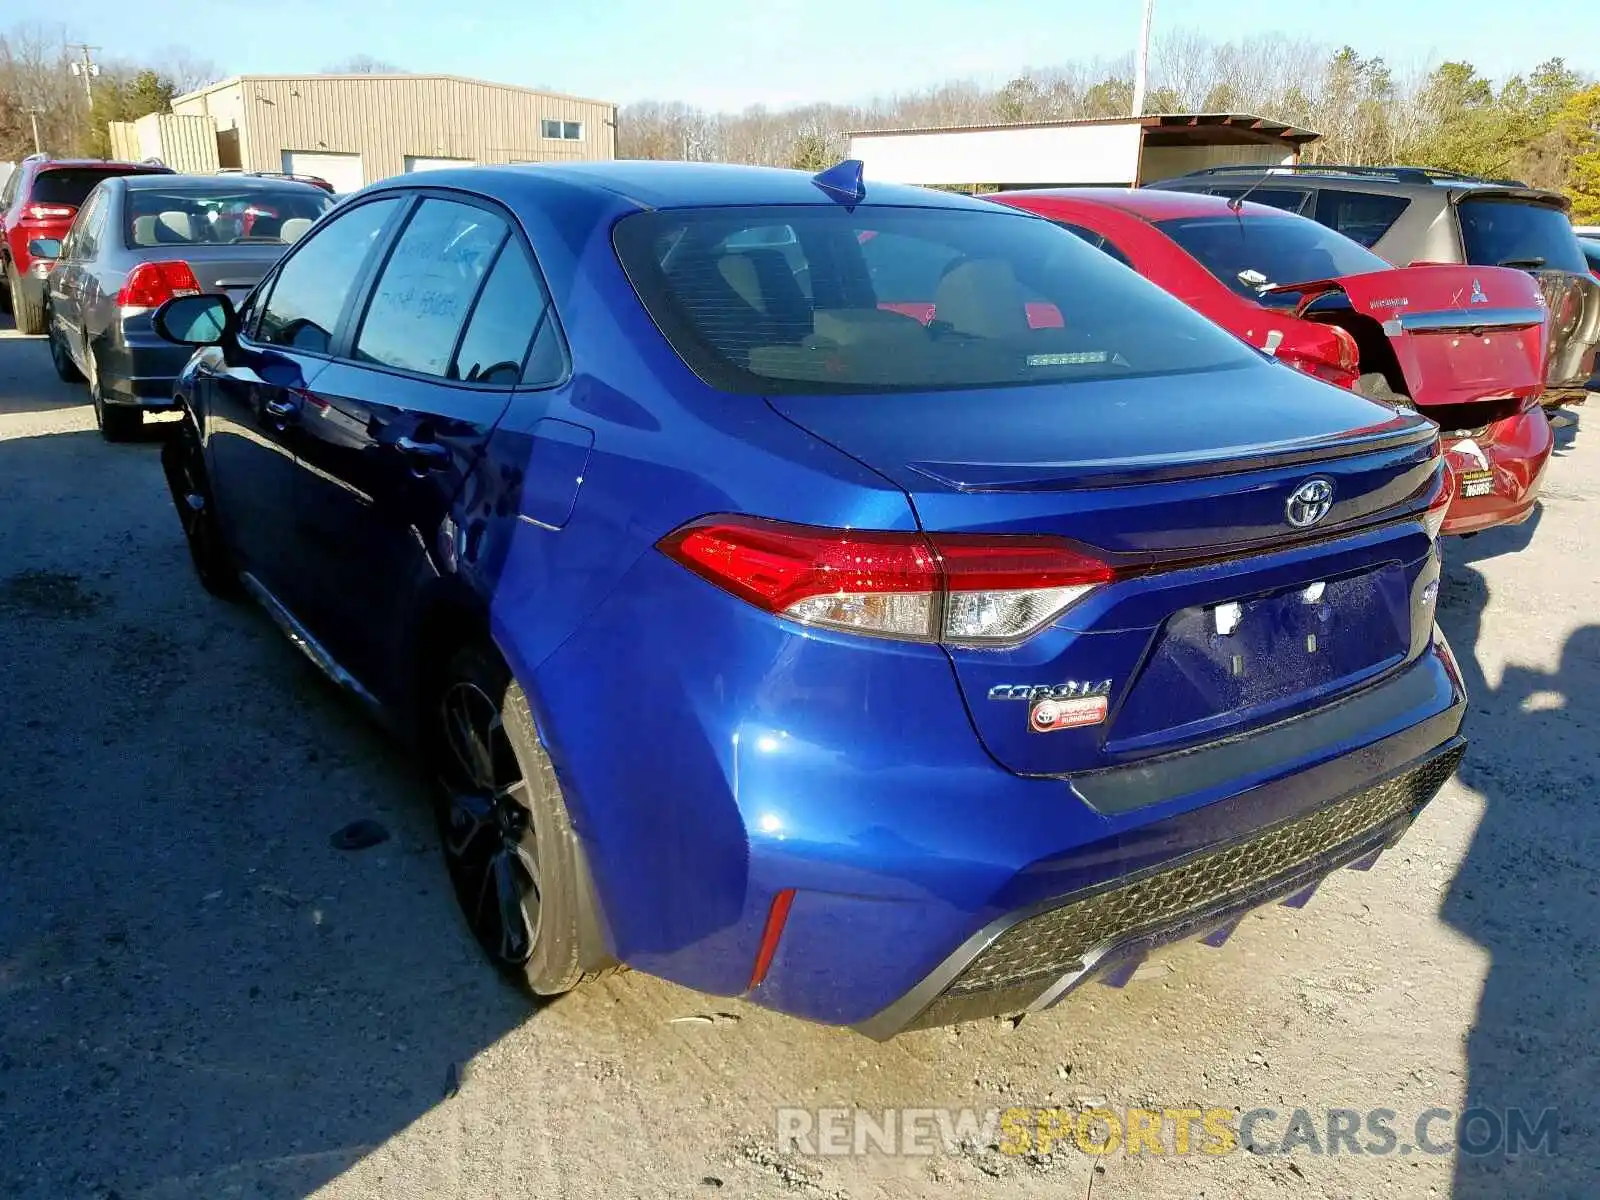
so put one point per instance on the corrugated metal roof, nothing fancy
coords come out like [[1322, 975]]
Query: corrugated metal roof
[[234, 80], [1266, 125]]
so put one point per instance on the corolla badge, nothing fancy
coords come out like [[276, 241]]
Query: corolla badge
[[1309, 503], [1477, 293]]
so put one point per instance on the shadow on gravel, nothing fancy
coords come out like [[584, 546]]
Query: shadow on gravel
[[200, 996], [1528, 891]]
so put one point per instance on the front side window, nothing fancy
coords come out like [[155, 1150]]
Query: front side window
[[1507, 232], [311, 289], [1252, 254], [425, 291], [902, 299]]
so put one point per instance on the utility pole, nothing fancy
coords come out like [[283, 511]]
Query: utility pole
[[1141, 68], [85, 66]]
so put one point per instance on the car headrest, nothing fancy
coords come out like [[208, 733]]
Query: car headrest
[[293, 229], [981, 297], [174, 225]]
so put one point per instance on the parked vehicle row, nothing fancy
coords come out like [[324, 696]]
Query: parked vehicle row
[[879, 603], [141, 239], [40, 201], [1412, 215], [1467, 346]]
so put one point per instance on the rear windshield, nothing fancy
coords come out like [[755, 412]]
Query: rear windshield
[[1505, 232], [221, 217], [1253, 254], [822, 299], [68, 185]]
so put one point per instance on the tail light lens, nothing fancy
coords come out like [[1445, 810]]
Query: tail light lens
[[1439, 506], [1344, 370], [152, 284], [49, 212], [968, 589]]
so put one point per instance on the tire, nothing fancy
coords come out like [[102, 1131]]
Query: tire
[[28, 313], [183, 462], [60, 358], [514, 861], [116, 422]]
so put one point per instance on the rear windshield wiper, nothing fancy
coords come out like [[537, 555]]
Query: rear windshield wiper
[[1524, 264]]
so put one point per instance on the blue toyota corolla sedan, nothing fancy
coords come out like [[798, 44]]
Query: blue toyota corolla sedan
[[870, 601]]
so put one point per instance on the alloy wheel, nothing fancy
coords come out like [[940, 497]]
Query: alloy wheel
[[487, 827]]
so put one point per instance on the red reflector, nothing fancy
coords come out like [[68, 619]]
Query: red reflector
[[154, 283], [777, 915], [774, 565]]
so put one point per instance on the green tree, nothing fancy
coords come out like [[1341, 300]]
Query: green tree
[[126, 99], [811, 153], [1578, 127], [1017, 101]]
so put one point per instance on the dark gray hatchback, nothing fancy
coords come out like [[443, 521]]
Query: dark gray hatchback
[[1418, 214]]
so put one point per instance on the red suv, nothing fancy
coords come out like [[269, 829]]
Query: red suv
[[40, 200]]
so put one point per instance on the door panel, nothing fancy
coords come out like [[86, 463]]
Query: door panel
[[393, 431], [255, 395]]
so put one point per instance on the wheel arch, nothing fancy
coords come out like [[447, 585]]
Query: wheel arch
[[448, 616]]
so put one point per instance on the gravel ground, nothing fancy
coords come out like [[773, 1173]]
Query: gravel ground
[[201, 997]]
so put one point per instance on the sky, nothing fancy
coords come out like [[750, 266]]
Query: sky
[[731, 53]]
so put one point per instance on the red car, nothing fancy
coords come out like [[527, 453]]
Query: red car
[[1465, 345], [40, 200]]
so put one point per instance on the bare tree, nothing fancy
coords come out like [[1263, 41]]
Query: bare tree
[[364, 64]]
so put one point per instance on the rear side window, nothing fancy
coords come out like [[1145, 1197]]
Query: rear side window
[[511, 312], [902, 299], [1097, 240], [66, 185], [1361, 216], [1252, 254], [310, 291], [1505, 232], [420, 303]]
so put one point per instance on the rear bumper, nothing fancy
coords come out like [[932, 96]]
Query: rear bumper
[[1512, 455], [1029, 960], [138, 374]]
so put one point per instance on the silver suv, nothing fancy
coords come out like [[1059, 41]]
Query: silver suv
[[1418, 214]]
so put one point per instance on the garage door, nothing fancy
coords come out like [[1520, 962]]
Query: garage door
[[341, 170], [415, 163]]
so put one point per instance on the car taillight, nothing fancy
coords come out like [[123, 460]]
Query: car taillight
[[969, 589], [49, 212], [1433, 519], [151, 284]]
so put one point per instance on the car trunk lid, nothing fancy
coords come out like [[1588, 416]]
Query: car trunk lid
[[1222, 616], [1460, 335]]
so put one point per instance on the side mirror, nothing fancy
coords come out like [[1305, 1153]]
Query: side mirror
[[197, 320], [45, 248]]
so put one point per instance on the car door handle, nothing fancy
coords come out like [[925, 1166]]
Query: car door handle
[[423, 455], [282, 411]]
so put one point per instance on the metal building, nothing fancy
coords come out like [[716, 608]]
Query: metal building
[[355, 129], [1119, 152]]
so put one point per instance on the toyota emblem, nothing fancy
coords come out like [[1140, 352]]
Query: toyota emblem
[[1309, 503]]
